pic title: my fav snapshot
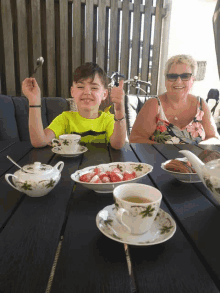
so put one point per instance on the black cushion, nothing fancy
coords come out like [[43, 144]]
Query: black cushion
[[133, 105], [14, 113], [55, 106], [8, 124]]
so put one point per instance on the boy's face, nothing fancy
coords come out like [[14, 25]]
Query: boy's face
[[89, 93]]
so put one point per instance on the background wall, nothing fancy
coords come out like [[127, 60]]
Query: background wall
[[188, 29]]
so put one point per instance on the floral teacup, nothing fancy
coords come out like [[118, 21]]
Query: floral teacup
[[136, 206], [69, 143]]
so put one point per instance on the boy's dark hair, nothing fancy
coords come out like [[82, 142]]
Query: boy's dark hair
[[89, 70]]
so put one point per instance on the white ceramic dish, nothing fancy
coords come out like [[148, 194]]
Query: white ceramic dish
[[141, 170], [183, 177], [162, 229], [58, 151]]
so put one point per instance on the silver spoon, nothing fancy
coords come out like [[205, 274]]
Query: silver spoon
[[16, 164], [104, 215], [40, 62]]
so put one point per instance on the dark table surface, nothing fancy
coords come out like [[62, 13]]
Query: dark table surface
[[52, 244]]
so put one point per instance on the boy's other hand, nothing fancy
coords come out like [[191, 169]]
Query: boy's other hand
[[117, 96], [31, 90]]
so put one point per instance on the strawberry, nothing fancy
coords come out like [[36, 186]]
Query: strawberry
[[128, 176], [96, 179], [116, 177], [97, 171]]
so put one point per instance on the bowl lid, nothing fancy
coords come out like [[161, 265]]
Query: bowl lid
[[38, 169]]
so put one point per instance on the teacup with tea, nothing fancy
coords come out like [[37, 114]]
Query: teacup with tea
[[136, 206], [69, 143]]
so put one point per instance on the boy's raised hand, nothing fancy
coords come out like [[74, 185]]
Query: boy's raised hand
[[117, 96], [31, 90]]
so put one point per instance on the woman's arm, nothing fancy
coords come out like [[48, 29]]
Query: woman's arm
[[209, 123], [145, 124]]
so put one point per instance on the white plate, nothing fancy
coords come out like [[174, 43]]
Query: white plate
[[183, 177], [162, 229], [58, 151], [141, 170]]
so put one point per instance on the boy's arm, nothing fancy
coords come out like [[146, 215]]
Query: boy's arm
[[117, 139], [38, 136]]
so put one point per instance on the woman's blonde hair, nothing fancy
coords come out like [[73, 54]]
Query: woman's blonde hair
[[184, 59]]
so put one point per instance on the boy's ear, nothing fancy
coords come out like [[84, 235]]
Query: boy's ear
[[105, 94], [71, 91]]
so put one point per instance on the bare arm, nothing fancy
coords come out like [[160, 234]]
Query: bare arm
[[39, 137], [209, 123], [117, 139], [145, 124]]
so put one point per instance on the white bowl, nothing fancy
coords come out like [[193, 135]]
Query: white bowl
[[141, 170], [183, 177]]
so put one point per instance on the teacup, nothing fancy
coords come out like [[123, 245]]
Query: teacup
[[69, 143], [136, 206]]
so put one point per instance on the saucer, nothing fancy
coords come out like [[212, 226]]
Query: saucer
[[162, 229], [58, 151]]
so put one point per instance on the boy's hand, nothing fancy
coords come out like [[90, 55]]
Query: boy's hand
[[31, 90], [117, 97]]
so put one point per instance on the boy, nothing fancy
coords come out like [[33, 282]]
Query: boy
[[89, 89]]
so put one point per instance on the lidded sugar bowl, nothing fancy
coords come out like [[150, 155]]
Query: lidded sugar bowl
[[36, 179]]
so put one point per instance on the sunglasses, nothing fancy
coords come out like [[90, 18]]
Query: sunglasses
[[183, 76]]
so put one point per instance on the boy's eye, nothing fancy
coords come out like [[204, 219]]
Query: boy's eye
[[80, 87], [94, 88]]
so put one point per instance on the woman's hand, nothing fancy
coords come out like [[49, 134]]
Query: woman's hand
[[32, 91]]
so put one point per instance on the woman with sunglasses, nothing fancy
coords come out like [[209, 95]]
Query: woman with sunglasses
[[176, 116]]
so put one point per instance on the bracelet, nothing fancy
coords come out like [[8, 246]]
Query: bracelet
[[35, 106], [120, 119]]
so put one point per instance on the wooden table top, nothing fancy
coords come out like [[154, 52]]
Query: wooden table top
[[52, 243]]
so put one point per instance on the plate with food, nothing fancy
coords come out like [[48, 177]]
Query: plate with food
[[181, 169], [105, 177]]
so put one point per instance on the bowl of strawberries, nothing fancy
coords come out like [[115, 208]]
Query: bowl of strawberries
[[104, 178]]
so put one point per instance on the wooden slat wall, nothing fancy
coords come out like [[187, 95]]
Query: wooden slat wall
[[64, 32]]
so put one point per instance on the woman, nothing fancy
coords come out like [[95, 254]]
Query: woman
[[176, 116]]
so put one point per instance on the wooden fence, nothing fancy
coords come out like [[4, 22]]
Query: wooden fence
[[118, 35]]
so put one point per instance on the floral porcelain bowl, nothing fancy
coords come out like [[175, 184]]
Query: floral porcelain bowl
[[36, 179], [140, 169], [183, 177]]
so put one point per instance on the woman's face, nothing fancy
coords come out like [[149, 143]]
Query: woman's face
[[179, 87]]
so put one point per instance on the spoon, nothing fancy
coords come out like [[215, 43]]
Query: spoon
[[16, 164], [40, 62], [104, 215]]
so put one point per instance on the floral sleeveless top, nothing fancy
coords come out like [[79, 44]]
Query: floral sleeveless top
[[168, 133]]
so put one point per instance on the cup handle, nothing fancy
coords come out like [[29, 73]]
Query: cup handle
[[54, 140], [119, 214], [59, 164], [7, 179]]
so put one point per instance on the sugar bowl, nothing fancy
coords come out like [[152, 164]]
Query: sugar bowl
[[36, 179]]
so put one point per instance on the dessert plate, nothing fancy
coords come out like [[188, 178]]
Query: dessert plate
[[183, 177], [162, 229], [58, 151]]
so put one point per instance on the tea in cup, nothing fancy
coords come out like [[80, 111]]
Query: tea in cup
[[136, 206], [69, 143]]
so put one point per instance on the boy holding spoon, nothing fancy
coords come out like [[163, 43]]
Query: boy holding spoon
[[89, 89]]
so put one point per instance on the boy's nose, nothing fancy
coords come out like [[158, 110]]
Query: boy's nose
[[87, 91]]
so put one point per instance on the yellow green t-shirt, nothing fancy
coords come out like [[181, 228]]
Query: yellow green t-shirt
[[96, 130]]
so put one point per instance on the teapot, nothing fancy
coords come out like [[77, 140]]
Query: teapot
[[36, 179], [209, 173]]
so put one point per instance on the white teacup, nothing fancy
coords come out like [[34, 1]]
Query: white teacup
[[69, 143], [136, 206]]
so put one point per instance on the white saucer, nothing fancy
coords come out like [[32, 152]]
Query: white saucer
[[58, 151], [162, 229]]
